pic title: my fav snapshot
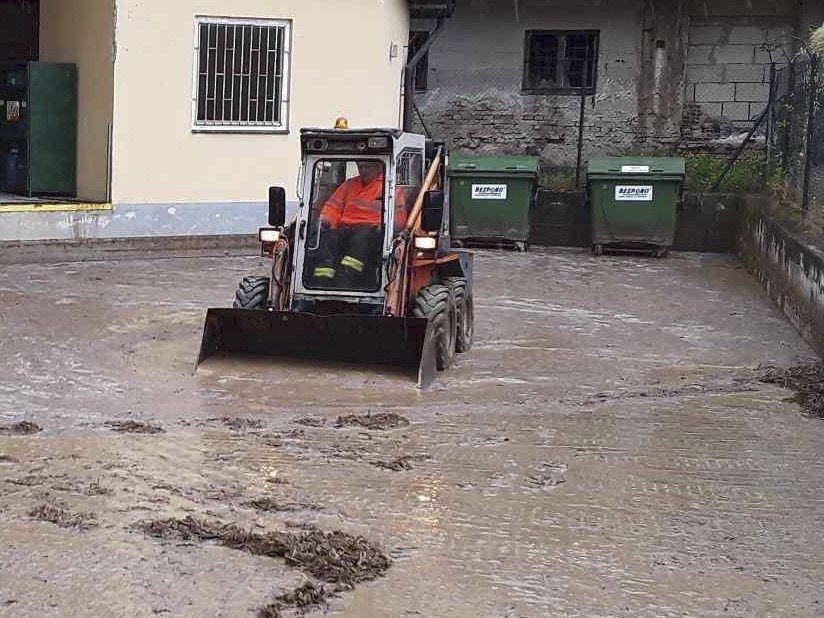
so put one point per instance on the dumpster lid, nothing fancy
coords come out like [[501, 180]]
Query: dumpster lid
[[503, 165], [653, 166]]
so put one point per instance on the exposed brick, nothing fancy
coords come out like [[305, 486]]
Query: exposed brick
[[733, 54], [764, 57], [748, 34], [705, 73], [699, 54], [744, 72], [736, 111], [752, 92], [714, 92], [712, 109], [707, 35]]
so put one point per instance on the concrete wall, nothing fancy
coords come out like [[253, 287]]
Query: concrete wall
[[159, 160], [475, 99], [82, 31], [789, 267], [706, 222]]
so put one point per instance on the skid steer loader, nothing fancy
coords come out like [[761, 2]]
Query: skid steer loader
[[397, 295]]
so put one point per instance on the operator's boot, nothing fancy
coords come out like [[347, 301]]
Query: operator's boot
[[351, 272], [324, 276]]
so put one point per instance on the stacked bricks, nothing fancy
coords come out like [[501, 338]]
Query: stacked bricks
[[728, 66]]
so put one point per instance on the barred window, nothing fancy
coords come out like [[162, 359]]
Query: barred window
[[242, 80], [560, 62]]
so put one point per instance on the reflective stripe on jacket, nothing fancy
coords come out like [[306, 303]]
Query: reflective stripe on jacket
[[354, 203]]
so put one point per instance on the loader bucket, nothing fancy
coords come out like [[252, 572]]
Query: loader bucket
[[379, 340]]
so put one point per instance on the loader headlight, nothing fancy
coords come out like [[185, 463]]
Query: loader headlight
[[269, 234], [426, 243]]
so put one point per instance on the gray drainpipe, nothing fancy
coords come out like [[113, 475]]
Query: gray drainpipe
[[409, 76]]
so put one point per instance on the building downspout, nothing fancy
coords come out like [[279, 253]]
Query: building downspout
[[409, 76]]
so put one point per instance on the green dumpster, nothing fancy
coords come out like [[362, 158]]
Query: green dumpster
[[490, 198], [634, 202]]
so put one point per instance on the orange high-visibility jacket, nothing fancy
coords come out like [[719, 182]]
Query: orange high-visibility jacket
[[355, 203]]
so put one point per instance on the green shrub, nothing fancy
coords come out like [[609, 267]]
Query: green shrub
[[745, 176], [558, 179]]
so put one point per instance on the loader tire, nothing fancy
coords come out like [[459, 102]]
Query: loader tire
[[464, 306], [252, 293], [435, 303]]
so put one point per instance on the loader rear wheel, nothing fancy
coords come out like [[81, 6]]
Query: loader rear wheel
[[464, 308], [435, 303], [252, 293]]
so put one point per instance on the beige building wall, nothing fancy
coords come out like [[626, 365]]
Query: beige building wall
[[340, 65], [82, 31]]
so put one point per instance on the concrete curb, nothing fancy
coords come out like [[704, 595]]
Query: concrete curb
[[103, 249]]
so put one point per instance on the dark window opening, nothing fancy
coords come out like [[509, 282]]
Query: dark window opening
[[416, 39], [19, 30], [561, 62]]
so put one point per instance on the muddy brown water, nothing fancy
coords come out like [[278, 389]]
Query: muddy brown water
[[606, 448]]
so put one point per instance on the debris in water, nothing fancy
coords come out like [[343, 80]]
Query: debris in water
[[549, 475], [62, 517], [271, 505], [382, 420], [333, 557], [305, 597], [29, 481], [399, 464], [23, 428], [8, 458], [134, 427], [311, 421], [806, 380], [96, 489], [239, 424]]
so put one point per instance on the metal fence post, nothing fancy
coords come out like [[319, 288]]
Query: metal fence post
[[812, 87], [768, 154], [580, 142]]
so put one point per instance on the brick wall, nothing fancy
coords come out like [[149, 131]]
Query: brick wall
[[671, 74]]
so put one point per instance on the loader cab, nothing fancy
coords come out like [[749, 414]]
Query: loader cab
[[356, 190]]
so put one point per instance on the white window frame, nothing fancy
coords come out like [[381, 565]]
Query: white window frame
[[244, 126]]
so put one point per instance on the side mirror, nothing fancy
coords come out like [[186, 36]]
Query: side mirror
[[432, 215], [277, 206]]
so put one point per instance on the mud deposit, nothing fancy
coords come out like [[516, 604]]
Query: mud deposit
[[308, 596], [808, 383], [62, 517], [23, 428], [606, 448], [381, 421], [134, 427], [334, 557]]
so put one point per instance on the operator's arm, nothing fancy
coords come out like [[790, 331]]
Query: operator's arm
[[332, 210]]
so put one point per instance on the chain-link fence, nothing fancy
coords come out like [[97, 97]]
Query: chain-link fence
[[796, 136]]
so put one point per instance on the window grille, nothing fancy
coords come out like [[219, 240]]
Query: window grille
[[242, 75], [561, 62]]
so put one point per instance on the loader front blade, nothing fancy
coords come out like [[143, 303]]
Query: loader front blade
[[379, 340]]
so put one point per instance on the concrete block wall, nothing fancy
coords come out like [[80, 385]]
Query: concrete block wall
[[727, 66]]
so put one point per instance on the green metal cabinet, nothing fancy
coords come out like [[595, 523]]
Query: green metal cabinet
[[490, 197], [634, 201], [38, 128]]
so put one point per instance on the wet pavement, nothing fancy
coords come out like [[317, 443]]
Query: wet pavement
[[605, 449]]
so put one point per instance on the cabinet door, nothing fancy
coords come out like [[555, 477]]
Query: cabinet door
[[52, 128]]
